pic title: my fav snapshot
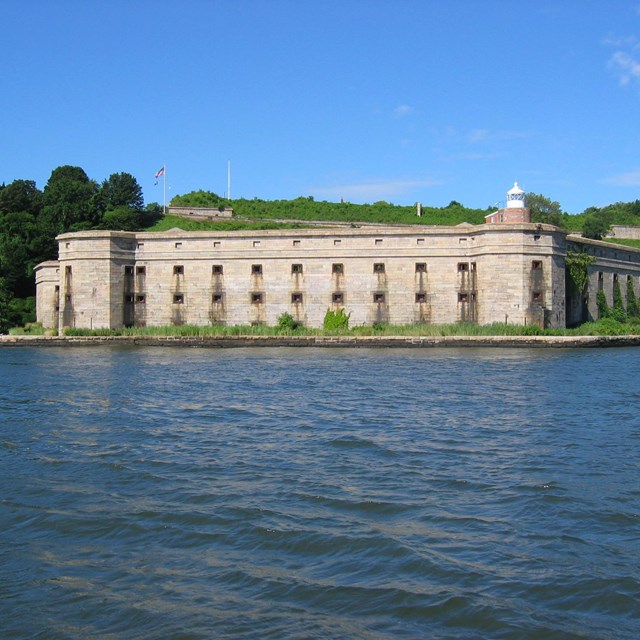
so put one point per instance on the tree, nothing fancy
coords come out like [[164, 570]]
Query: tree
[[5, 312], [121, 190], [545, 210], [122, 219], [21, 196], [596, 225], [70, 200]]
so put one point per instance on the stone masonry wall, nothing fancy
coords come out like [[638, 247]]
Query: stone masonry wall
[[483, 274]]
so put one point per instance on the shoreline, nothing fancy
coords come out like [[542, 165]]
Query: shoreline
[[379, 342]]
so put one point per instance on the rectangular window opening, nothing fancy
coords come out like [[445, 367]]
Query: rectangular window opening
[[420, 241], [463, 297], [296, 243], [537, 296], [337, 241], [216, 243], [337, 267], [178, 270], [141, 298], [378, 241], [463, 266], [296, 268], [536, 265], [337, 297], [256, 243], [256, 298], [178, 245], [217, 298], [421, 297], [178, 298], [296, 298], [128, 271], [378, 267], [256, 269], [141, 271], [421, 267], [217, 269], [378, 297], [128, 298]]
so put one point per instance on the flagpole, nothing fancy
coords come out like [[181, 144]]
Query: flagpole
[[164, 189]]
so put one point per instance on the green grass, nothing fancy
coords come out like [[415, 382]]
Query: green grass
[[604, 327], [625, 241], [186, 224]]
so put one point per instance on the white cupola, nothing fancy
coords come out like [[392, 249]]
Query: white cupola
[[515, 197]]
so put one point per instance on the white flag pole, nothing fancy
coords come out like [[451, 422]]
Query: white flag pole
[[164, 189]]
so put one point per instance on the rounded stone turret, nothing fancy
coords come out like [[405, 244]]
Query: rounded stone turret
[[515, 197]]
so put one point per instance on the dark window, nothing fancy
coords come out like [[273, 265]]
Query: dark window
[[141, 270], [536, 265], [536, 237], [256, 298], [600, 280], [421, 297], [256, 269], [178, 270], [378, 267], [463, 266], [473, 266], [463, 297], [178, 245], [537, 296], [67, 270], [337, 267], [141, 298], [378, 297], [296, 297], [140, 245], [128, 271], [615, 278], [67, 297], [337, 241], [217, 269], [178, 298], [256, 243], [337, 297], [217, 297], [296, 243], [378, 241], [128, 298], [296, 268], [421, 267], [216, 243], [420, 241], [57, 288]]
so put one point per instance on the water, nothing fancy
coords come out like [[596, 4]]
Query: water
[[295, 493]]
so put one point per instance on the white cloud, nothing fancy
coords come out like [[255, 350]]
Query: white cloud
[[477, 136], [402, 110], [628, 179], [625, 61], [373, 190]]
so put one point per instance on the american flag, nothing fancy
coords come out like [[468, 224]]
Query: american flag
[[160, 172]]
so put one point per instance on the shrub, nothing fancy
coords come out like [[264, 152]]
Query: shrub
[[286, 322], [601, 302], [336, 320]]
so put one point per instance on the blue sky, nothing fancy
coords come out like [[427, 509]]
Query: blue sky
[[366, 100]]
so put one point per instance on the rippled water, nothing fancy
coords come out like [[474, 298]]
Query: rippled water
[[295, 493]]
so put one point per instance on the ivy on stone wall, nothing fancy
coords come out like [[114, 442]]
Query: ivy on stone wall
[[577, 265]]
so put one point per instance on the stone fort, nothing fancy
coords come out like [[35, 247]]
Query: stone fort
[[506, 270]]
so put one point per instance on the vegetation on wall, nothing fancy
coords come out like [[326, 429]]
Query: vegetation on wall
[[577, 265]]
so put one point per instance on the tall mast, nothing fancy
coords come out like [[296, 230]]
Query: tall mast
[[228, 179]]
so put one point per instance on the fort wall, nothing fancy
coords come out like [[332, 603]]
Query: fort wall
[[399, 275]]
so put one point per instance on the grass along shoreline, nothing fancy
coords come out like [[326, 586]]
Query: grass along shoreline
[[603, 327]]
